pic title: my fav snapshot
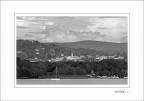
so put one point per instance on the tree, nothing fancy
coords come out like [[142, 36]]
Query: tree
[[122, 73], [23, 67], [26, 63], [24, 72], [19, 62], [80, 71], [115, 71], [41, 69], [18, 71], [61, 70], [71, 71], [105, 73], [33, 71], [110, 69], [99, 68], [97, 74], [88, 68], [65, 71]]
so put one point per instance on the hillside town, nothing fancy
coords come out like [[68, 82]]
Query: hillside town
[[63, 57]]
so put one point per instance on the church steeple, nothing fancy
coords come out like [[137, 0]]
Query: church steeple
[[72, 54]]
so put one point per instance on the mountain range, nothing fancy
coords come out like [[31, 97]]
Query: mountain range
[[32, 48], [108, 47]]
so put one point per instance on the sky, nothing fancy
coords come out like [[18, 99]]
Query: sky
[[72, 28]]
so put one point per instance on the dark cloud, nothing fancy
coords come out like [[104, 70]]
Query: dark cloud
[[125, 33], [28, 35], [40, 32], [22, 27], [102, 35], [37, 20], [105, 17], [64, 17], [102, 28], [19, 18]]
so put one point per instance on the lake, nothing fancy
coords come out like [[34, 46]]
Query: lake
[[93, 81]]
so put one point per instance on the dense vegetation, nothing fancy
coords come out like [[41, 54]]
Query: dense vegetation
[[107, 67], [28, 49]]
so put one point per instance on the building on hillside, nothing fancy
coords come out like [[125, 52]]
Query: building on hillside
[[36, 49], [37, 53], [19, 51]]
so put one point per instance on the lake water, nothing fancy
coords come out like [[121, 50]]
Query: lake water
[[72, 82]]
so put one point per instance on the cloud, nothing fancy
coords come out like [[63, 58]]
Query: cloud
[[102, 28], [108, 17], [64, 17], [49, 23], [33, 36], [22, 23], [73, 28], [19, 18], [124, 39], [60, 38], [22, 27], [112, 28]]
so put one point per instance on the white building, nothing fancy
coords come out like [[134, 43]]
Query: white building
[[36, 49]]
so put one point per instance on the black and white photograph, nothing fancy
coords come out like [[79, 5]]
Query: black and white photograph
[[71, 50]]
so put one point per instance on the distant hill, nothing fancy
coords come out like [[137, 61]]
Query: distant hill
[[32, 49], [97, 45]]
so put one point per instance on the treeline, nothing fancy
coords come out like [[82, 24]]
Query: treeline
[[108, 67], [28, 47]]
